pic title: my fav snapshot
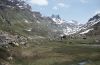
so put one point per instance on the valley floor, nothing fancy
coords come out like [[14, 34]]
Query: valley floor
[[51, 53]]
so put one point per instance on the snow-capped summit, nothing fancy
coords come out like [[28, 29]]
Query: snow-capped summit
[[57, 19], [55, 16], [67, 27], [92, 25], [92, 21]]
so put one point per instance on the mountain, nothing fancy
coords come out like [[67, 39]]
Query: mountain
[[16, 17], [92, 21], [92, 27], [27, 35], [67, 27], [57, 19]]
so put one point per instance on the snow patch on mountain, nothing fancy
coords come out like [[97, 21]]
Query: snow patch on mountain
[[92, 21], [71, 30], [86, 31], [67, 27], [58, 21]]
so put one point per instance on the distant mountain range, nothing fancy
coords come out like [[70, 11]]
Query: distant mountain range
[[72, 27], [68, 27], [18, 18]]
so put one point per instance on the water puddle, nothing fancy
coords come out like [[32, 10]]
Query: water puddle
[[83, 63]]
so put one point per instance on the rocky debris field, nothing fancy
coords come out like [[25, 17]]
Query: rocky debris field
[[14, 40]]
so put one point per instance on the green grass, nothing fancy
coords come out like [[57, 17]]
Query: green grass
[[55, 53], [45, 52]]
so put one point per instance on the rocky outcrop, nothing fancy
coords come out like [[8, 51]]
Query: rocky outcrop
[[13, 40]]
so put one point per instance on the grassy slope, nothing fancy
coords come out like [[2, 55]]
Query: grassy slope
[[17, 22], [16, 19]]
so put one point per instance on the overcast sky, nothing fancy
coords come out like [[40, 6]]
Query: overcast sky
[[79, 10]]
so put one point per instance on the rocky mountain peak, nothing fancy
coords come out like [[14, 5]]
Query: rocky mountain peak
[[91, 25], [57, 19], [56, 16], [92, 21], [97, 16]]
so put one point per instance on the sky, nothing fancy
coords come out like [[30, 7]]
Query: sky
[[78, 10]]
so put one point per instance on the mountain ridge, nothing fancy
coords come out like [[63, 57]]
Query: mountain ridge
[[26, 22]]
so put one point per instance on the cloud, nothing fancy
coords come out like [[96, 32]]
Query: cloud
[[60, 5], [84, 1], [39, 2]]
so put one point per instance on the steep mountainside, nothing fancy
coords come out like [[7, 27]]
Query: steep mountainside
[[16, 17], [92, 27], [67, 27]]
